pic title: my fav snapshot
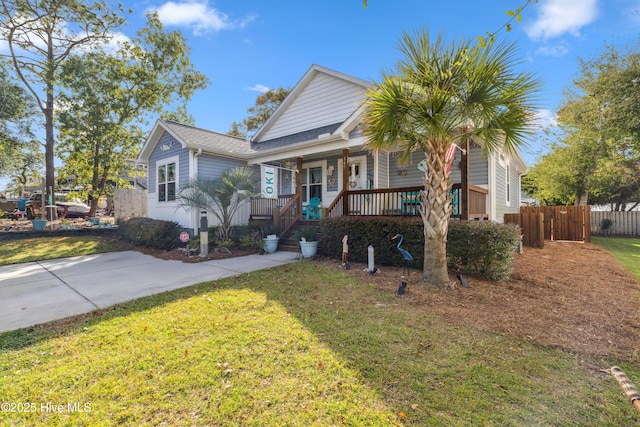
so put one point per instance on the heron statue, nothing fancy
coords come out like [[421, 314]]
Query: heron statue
[[405, 254]]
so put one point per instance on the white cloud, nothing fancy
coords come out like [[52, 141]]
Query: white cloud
[[557, 17], [546, 118], [557, 50], [198, 15], [259, 88]]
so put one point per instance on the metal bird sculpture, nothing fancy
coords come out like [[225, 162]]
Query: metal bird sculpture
[[405, 254]]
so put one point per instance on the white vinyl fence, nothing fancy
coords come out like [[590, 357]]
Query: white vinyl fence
[[613, 223]]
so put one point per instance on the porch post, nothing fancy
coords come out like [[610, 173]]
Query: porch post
[[464, 180], [345, 181], [299, 186]]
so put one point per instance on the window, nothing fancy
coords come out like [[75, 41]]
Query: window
[[167, 182], [508, 183], [311, 183]]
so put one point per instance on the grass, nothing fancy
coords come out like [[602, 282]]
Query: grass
[[625, 250], [42, 248], [297, 345]]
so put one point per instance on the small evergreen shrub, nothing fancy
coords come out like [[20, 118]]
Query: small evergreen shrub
[[252, 241], [376, 231], [485, 249], [150, 233]]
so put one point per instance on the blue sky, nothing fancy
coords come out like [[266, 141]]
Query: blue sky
[[246, 46]]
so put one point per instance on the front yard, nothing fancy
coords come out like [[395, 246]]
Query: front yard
[[308, 344]]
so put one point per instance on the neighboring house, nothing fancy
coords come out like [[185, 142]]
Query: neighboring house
[[317, 130]]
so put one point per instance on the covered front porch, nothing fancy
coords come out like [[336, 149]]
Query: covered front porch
[[469, 202]]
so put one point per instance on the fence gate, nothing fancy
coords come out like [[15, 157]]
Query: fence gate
[[564, 222]]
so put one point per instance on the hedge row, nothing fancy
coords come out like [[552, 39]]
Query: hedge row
[[150, 233], [482, 248]]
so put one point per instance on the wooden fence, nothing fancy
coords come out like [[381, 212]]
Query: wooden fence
[[532, 226], [129, 202], [571, 223], [564, 222], [614, 223]]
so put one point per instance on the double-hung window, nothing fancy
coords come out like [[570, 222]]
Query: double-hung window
[[311, 183], [167, 178]]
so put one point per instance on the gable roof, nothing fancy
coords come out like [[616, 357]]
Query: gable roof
[[341, 82], [196, 138]]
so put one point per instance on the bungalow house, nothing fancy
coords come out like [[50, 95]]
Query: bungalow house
[[315, 144]]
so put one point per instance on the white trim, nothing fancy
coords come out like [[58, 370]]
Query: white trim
[[323, 165], [163, 162], [299, 88]]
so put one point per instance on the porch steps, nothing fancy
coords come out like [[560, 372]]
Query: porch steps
[[290, 242]]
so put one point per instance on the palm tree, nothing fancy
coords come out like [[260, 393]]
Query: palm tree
[[222, 197], [442, 93]]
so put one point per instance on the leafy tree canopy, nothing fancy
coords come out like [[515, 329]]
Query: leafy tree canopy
[[265, 105], [595, 154], [108, 97]]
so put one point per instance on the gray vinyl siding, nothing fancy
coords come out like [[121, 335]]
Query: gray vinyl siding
[[478, 169], [159, 155], [501, 190], [212, 166], [383, 169]]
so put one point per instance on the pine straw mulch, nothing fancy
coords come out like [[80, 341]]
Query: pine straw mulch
[[569, 295]]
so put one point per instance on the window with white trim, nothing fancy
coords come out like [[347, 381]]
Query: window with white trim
[[167, 178]]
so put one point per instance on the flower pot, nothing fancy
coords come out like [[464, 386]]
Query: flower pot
[[270, 244], [308, 249], [39, 224]]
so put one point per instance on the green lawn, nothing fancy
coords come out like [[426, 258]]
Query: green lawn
[[299, 345], [41, 248], [625, 250]]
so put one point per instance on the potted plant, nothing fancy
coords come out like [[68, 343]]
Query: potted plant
[[270, 239], [65, 223], [308, 241]]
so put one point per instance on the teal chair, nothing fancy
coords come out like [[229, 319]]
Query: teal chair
[[312, 210], [411, 203]]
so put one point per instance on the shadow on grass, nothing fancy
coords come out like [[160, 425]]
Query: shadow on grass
[[433, 371]]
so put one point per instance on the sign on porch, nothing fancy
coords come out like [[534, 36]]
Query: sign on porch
[[269, 182]]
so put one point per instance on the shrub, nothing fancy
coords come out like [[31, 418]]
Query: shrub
[[376, 231], [252, 241], [605, 224], [481, 248], [150, 233]]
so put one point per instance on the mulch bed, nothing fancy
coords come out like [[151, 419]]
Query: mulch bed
[[569, 295]]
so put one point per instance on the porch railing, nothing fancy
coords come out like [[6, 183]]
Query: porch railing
[[263, 208], [285, 217], [403, 201], [380, 201]]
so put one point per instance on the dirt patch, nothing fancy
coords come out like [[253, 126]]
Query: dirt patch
[[570, 295]]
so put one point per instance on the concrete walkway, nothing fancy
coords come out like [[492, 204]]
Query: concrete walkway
[[38, 292]]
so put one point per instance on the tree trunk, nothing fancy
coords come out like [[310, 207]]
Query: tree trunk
[[435, 210], [50, 177]]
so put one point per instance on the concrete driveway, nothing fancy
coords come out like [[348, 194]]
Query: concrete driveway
[[43, 291]]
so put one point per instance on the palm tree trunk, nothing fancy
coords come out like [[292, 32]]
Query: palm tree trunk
[[435, 210]]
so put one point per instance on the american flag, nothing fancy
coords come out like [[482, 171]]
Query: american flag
[[451, 151]]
